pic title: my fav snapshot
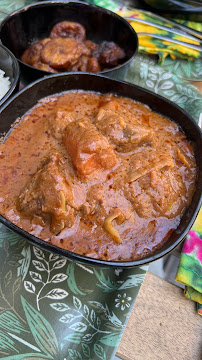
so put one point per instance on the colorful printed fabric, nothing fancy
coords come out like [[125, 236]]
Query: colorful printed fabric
[[199, 309], [150, 44], [190, 267]]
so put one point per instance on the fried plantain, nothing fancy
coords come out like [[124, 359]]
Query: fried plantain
[[110, 54], [59, 53], [68, 29], [32, 54], [44, 67], [93, 65]]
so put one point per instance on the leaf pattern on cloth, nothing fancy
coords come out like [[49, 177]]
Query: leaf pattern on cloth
[[60, 304], [145, 73], [41, 330]]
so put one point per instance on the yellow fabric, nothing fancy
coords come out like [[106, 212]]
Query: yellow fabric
[[151, 45]]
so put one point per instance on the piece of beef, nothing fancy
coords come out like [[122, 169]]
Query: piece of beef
[[48, 196], [88, 150], [58, 120], [122, 129]]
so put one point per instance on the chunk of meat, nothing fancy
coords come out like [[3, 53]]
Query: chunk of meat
[[167, 195], [59, 53], [48, 196], [155, 185], [88, 150], [122, 129], [110, 54], [142, 164], [68, 29], [57, 121]]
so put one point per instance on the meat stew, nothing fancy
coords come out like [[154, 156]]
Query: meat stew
[[99, 175]]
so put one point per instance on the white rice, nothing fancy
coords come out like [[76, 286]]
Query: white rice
[[4, 84]]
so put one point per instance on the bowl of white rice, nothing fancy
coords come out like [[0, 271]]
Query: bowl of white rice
[[9, 74]]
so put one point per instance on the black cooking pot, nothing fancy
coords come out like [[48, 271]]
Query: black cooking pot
[[50, 85], [34, 22]]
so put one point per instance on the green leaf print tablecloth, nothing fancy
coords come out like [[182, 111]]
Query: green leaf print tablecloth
[[53, 308]]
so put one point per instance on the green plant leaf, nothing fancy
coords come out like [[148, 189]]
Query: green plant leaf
[[150, 84], [74, 338], [93, 316], [111, 339], [77, 303], [99, 351], [10, 322], [6, 343], [105, 283], [166, 85], [67, 318], [60, 306], [7, 278], [58, 278], [38, 253], [169, 93], [86, 350], [78, 326], [17, 285], [74, 354], [25, 262], [98, 305], [114, 319], [39, 265], [53, 257], [35, 276], [59, 264], [167, 76], [86, 310], [29, 287], [41, 330], [71, 282], [182, 99], [98, 322], [28, 356], [57, 294], [133, 280]]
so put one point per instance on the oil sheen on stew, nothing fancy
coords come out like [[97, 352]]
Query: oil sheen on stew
[[99, 175]]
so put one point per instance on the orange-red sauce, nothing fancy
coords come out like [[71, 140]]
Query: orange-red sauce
[[92, 157]]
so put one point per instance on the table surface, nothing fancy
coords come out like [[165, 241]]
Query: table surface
[[163, 324]]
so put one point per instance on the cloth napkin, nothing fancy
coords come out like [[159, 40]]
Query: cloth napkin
[[150, 44], [190, 266]]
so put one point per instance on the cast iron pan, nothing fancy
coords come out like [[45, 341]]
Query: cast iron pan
[[34, 22], [28, 97]]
